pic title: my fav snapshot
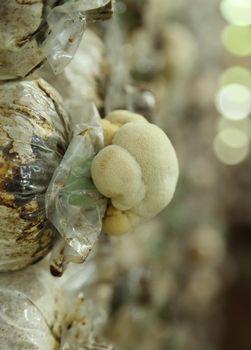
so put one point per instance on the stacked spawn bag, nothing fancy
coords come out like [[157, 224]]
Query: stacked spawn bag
[[35, 131]]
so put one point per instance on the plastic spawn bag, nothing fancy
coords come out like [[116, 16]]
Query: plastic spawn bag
[[36, 313], [34, 135], [48, 31], [31, 310], [73, 204]]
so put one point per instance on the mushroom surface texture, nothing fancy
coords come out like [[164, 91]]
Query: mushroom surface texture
[[137, 170]]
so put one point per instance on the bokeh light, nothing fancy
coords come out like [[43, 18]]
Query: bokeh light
[[231, 146], [237, 40], [236, 75], [234, 101], [237, 12], [243, 125]]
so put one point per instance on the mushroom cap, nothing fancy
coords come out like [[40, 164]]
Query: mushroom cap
[[154, 153]]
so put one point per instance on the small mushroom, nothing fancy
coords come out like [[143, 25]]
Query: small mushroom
[[137, 171]]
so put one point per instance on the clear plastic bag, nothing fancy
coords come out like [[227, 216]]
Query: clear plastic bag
[[66, 33], [81, 79], [34, 134], [67, 24], [73, 204]]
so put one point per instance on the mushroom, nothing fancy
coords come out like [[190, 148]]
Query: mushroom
[[137, 170]]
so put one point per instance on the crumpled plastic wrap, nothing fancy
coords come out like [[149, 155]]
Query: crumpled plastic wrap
[[50, 31], [67, 24], [37, 313], [73, 204], [66, 33]]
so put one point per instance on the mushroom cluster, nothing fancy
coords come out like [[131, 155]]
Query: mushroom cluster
[[137, 170]]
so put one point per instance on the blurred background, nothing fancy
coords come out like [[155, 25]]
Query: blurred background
[[183, 281]]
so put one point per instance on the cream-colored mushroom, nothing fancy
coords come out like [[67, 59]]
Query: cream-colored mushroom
[[138, 171]]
